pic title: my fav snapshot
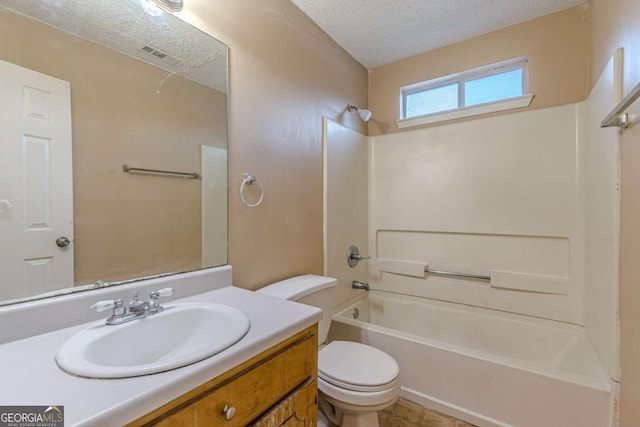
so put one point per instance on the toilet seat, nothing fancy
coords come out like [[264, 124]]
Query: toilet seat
[[349, 399], [357, 367]]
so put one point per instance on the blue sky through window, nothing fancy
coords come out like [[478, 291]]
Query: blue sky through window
[[489, 84], [493, 88], [431, 101]]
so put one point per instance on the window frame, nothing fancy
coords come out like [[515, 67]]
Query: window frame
[[461, 79]]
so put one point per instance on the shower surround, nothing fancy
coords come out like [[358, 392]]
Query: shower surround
[[528, 199]]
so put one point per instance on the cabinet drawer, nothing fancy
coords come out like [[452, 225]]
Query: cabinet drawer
[[251, 390], [259, 389]]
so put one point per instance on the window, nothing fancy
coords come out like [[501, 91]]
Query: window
[[484, 86]]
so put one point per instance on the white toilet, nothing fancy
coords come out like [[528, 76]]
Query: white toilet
[[355, 380]]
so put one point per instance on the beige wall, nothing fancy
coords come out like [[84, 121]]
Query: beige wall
[[616, 23], [285, 74], [125, 226], [557, 47]]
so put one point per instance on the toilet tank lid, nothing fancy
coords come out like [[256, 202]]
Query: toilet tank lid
[[298, 287]]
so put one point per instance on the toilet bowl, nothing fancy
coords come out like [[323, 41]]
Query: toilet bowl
[[358, 381], [355, 380]]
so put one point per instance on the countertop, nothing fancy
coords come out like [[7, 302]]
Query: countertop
[[30, 376]]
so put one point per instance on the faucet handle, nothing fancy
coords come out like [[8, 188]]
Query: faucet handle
[[353, 256], [135, 300], [105, 305]]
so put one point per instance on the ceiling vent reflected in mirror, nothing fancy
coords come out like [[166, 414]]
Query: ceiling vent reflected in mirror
[[170, 5], [159, 54]]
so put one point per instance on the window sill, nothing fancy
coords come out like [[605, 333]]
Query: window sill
[[509, 104]]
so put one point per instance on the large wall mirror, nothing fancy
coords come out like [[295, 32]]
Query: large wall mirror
[[87, 87]]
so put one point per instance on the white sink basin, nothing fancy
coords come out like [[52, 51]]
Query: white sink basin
[[182, 334]]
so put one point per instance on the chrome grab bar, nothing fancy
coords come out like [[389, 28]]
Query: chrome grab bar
[[451, 273]]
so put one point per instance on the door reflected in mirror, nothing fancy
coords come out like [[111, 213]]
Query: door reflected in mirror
[[86, 88]]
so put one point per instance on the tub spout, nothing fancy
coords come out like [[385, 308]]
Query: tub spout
[[360, 285]]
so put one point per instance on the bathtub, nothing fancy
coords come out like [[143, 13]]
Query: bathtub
[[484, 367]]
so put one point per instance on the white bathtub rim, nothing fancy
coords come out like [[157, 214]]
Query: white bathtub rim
[[450, 409], [343, 305], [554, 374], [467, 309]]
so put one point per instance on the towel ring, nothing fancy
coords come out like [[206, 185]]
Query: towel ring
[[250, 179]]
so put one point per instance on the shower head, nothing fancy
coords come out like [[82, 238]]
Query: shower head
[[365, 115]]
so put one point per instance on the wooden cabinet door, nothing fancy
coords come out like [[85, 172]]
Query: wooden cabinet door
[[298, 409]]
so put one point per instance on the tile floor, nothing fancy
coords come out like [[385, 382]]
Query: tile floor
[[408, 414]]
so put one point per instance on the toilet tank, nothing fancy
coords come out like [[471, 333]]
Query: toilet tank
[[311, 290]]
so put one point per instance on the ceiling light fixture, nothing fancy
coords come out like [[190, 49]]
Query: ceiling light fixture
[[365, 115]]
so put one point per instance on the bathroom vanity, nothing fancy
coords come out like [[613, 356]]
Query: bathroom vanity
[[278, 384], [266, 378]]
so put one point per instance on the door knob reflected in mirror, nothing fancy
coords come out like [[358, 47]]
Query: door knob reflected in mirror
[[63, 242]]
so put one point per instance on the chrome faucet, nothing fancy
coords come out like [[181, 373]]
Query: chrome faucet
[[151, 305], [137, 309], [360, 285]]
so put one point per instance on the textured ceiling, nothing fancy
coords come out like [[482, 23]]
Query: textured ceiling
[[124, 26], [378, 32]]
